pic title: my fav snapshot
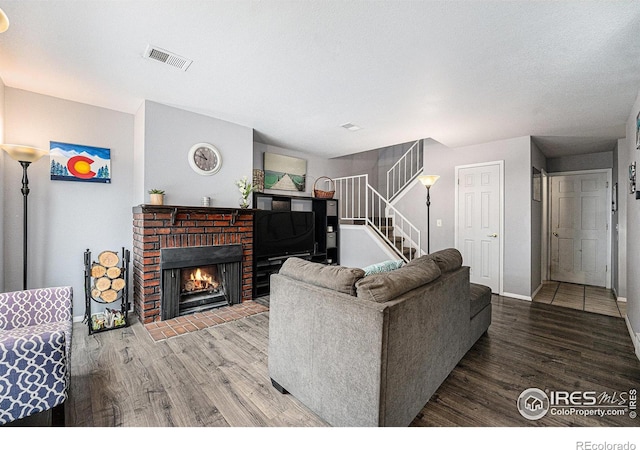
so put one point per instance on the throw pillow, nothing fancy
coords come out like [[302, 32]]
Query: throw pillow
[[384, 266]]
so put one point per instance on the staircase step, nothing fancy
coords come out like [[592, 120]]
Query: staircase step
[[409, 252]]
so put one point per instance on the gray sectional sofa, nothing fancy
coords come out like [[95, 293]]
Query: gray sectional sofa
[[371, 350]]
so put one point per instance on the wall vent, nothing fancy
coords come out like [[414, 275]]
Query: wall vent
[[166, 57]]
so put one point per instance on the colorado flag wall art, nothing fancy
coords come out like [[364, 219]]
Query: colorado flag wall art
[[72, 162]]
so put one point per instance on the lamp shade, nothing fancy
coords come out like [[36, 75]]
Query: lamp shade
[[4, 22], [428, 180], [23, 152]]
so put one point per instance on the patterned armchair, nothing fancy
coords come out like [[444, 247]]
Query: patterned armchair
[[35, 352]]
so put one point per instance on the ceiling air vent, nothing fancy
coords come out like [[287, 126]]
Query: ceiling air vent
[[350, 126], [166, 57]]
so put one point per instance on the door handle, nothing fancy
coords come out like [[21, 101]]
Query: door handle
[[555, 234], [492, 235]]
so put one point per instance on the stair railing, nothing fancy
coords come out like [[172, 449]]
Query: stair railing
[[362, 204], [403, 172]]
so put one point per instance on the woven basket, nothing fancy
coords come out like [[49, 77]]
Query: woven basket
[[317, 193]]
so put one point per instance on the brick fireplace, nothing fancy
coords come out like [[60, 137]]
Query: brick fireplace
[[157, 228]]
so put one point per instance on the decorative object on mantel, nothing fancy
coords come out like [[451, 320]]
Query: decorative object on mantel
[[319, 193], [245, 189], [25, 156], [284, 172], [156, 196], [206, 201], [73, 162], [258, 180], [106, 282]]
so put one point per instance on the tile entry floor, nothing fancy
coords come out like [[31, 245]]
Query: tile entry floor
[[576, 296]]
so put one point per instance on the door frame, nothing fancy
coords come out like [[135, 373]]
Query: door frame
[[608, 172], [500, 163]]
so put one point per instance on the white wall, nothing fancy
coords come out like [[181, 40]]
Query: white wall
[[538, 161], [2, 177], [589, 161], [139, 194], [633, 230], [170, 133], [360, 248], [623, 199], [65, 218]]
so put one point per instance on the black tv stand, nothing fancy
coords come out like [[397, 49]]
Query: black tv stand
[[326, 249]]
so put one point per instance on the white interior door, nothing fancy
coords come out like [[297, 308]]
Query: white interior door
[[579, 228], [479, 222]]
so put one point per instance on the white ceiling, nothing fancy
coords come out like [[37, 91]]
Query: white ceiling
[[459, 72]]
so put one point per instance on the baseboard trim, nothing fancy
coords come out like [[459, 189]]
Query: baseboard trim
[[635, 337], [536, 291], [516, 296]]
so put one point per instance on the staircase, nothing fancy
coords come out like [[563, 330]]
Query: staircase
[[361, 204], [408, 253]]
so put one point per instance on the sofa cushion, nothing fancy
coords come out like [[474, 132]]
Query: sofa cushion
[[382, 287], [338, 278], [384, 266], [448, 260], [480, 297]]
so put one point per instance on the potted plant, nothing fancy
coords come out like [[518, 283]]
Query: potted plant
[[156, 196]]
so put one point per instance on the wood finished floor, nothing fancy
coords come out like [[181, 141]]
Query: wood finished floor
[[218, 376]]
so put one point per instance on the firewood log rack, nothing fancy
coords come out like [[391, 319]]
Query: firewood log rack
[[122, 296]]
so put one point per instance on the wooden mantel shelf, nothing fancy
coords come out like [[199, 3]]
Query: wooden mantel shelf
[[175, 209], [168, 208]]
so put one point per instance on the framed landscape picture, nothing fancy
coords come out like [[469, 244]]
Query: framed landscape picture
[[284, 172], [73, 162]]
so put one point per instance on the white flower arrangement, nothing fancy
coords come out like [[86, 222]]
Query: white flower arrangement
[[245, 189]]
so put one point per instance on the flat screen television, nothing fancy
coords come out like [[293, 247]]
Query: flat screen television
[[280, 233]]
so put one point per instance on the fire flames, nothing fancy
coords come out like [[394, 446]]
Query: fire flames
[[201, 281]]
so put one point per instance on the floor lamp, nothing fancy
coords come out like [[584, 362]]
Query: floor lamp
[[25, 156], [428, 181]]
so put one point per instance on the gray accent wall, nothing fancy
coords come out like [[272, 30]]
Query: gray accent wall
[[65, 218], [169, 133], [588, 161]]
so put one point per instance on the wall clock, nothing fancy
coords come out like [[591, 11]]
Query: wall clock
[[205, 159]]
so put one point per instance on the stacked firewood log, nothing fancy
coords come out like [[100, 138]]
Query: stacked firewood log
[[107, 277]]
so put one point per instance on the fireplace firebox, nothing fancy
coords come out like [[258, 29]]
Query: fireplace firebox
[[195, 279]]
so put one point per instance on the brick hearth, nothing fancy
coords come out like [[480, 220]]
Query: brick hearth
[[158, 227]]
